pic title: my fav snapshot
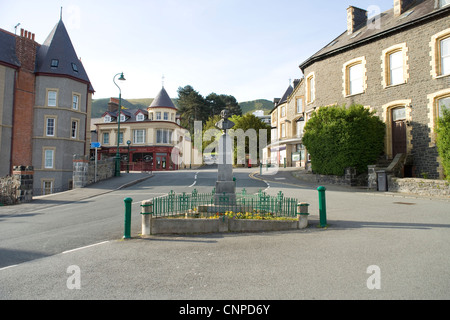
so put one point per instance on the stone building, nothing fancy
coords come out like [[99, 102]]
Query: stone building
[[45, 101], [152, 139], [396, 63]]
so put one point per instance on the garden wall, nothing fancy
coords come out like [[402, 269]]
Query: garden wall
[[421, 187]]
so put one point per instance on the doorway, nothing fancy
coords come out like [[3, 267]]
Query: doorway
[[398, 131]]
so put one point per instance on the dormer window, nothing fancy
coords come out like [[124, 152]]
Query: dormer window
[[122, 118], [107, 119], [74, 67], [139, 117], [55, 63]]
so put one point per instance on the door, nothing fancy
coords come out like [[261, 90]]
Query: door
[[398, 131]]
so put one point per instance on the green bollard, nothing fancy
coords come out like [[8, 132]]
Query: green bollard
[[127, 231], [322, 207]]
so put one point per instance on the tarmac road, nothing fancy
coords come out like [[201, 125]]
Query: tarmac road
[[377, 246]]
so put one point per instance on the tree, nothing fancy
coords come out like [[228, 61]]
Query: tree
[[247, 136], [231, 104], [443, 141], [218, 102], [340, 137], [193, 106]]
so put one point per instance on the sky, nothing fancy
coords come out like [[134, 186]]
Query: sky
[[249, 49]]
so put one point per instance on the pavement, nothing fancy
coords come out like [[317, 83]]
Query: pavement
[[303, 178], [282, 175], [102, 187]]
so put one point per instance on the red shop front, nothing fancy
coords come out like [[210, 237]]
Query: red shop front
[[137, 158]]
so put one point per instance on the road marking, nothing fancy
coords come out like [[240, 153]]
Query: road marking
[[280, 178], [195, 178], [193, 184], [81, 248], [9, 267]]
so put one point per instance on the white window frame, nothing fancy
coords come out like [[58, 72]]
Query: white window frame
[[52, 98], [49, 158], [140, 117], [396, 68], [75, 101], [139, 136], [45, 188], [107, 119], [355, 79], [158, 115], [283, 130], [166, 116], [48, 126], [105, 138], [439, 61], [164, 136], [74, 131], [299, 104], [445, 57]]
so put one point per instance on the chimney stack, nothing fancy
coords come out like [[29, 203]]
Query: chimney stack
[[356, 18], [113, 105], [26, 50], [401, 6]]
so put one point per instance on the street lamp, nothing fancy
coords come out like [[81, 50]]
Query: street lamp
[[117, 168]]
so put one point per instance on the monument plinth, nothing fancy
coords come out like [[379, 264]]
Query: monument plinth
[[225, 185]]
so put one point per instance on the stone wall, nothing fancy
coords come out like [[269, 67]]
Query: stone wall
[[350, 178], [17, 188], [421, 187], [84, 171]]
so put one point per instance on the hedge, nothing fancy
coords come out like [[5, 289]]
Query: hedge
[[443, 141], [340, 137]]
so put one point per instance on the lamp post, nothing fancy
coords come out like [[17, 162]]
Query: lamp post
[[117, 167]]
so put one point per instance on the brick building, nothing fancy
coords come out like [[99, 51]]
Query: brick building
[[396, 63], [45, 99]]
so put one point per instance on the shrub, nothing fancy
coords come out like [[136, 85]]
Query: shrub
[[340, 137], [443, 141]]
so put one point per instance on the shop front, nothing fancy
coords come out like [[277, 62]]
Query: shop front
[[144, 158]]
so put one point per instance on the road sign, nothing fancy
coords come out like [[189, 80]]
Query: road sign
[[95, 145]]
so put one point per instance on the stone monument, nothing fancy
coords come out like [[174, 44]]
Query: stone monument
[[225, 186]]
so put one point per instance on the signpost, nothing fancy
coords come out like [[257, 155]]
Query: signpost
[[95, 145]]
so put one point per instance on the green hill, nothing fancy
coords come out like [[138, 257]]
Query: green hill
[[99, 106], [260, 104]]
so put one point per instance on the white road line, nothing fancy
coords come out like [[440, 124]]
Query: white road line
[[9, 267], [81, 248], [193, 184], [195, 178]]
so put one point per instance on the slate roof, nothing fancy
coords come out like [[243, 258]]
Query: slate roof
[[58, 46], [8, 48], [420, 10], [130, 115], [162, 100]]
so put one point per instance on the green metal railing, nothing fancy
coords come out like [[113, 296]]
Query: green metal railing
[[175, 204]]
